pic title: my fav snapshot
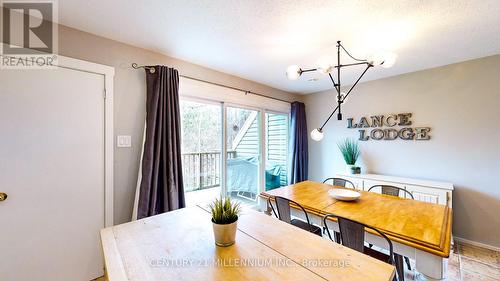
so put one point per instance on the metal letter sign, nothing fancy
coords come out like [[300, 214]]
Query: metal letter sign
[[388, 127]]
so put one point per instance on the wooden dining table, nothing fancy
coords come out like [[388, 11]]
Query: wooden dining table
[[419, 230], [179, 245]]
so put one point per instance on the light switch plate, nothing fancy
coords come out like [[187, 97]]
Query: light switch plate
[[124, 141]]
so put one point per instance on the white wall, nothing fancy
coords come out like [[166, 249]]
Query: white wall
[[461, 103]]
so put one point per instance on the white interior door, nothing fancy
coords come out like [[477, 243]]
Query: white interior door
[[52, 169]]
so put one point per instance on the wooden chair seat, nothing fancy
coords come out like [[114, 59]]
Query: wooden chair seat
[[305, 226]]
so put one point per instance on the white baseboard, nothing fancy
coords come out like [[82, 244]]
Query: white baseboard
[[477, 244]]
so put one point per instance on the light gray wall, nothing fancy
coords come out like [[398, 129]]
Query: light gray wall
[[129, 98], [460, 102]]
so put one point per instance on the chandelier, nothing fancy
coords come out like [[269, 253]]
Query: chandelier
[[327, 67]]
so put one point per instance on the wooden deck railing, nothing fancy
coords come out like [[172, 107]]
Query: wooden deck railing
[[201, 170]]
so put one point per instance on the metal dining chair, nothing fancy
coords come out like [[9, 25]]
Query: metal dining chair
[[344, 183], [340, 182], [352, 235], [395, 191], [392, 190], [284, 214]]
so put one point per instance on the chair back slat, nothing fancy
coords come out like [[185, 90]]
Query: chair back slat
[[352, 234], [283, 207], [340, 182], [392, 190]]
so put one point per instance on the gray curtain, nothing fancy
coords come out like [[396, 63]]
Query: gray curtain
[[298, 153], [161, 187]]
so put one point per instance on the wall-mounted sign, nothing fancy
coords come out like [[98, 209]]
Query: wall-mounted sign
[[388, 127]]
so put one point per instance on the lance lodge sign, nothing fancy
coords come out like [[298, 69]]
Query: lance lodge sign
[[388, 127]]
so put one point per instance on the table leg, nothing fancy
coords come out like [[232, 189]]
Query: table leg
[[263, 206], [429, 266]]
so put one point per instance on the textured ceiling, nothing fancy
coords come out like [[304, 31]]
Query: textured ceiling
[[258, 39]]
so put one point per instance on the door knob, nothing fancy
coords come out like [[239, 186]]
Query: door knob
[[3, 196]]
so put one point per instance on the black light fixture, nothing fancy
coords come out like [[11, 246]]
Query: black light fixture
[[326, 66]]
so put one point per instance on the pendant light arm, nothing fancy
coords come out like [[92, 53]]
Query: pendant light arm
[[307, 70], [339, 66], [328, 119], [333, 81], [352, 64], [349, 54], [347, 94], [338, 69], [355, 83]]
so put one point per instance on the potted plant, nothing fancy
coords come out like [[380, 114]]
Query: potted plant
[[224, 221], [350, 151]]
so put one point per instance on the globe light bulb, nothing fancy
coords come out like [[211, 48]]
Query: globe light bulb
[[375, 59], [384, 59], [317, 134], [293, 72], [325, 64], [389, 60]]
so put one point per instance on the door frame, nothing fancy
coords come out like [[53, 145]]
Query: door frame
[[108, 73]]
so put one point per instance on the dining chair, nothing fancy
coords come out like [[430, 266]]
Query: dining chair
[[344, 183], [395, 191], [392, 190], [352, 235], [283, 206], [340, 182]]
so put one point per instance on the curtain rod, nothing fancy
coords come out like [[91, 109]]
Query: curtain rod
[[152, 70]]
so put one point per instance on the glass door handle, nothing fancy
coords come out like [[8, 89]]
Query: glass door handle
[[3, 196]]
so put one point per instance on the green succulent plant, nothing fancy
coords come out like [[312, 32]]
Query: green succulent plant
[[350, 150], [224, 211]]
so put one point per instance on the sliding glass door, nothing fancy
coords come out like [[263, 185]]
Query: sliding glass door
[[201, 126], [232, 151], [243, 145]]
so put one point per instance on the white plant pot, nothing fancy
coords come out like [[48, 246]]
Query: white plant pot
[[349, 169], [225, 234]]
